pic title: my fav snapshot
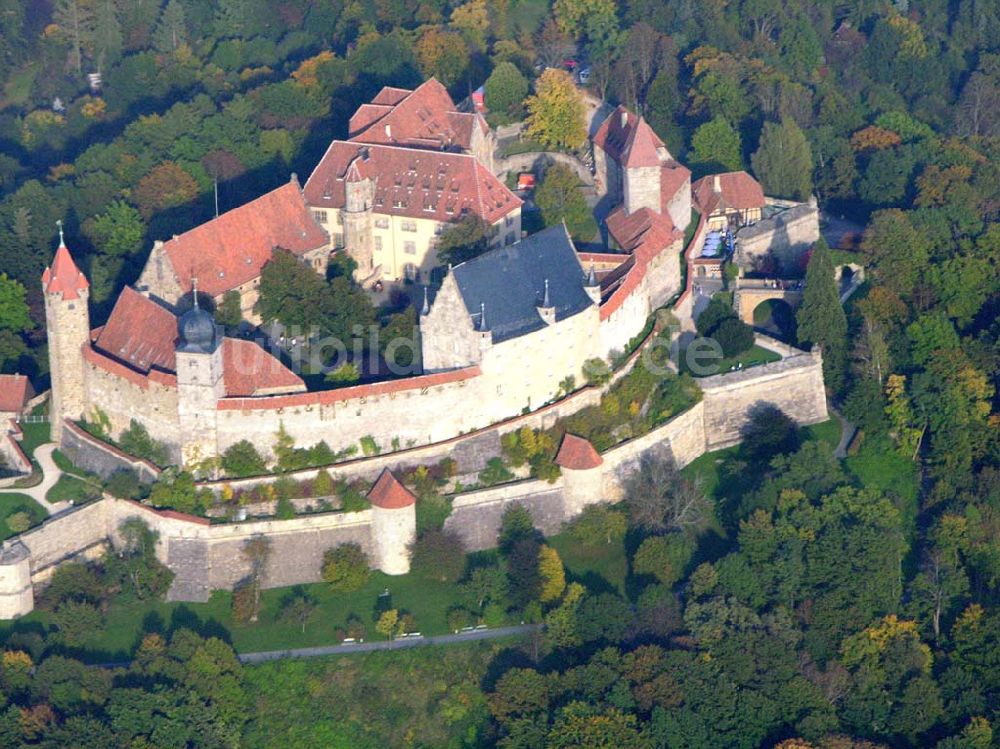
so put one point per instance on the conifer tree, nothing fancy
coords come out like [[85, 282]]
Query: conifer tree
[[171, 29], [821, 319]]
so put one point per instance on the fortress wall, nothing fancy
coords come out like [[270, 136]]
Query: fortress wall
[[122, 400], [476, 516], [91, 454], [682, 438], [66, 536], [623, 324], [795, 385], [663, 276], [415, 416]]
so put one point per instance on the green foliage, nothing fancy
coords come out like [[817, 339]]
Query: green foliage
[[560, 198], [463, 240], [663, 557], [715, 147], [18, 522], [345, 567], [438, 555], [505, 92], [13, 308], [242, 459], [495, 472], [176, 489], [598, 524], [821, 319], [137, 441], [783, 162], [133, 565], [734, 336], [229, 313]]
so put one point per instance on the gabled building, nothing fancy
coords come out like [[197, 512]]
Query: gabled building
[[729, 200], [425, 117], [386, 205], [228, 253], [527, 308]]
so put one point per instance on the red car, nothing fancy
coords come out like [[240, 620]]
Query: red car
[[570, 64]]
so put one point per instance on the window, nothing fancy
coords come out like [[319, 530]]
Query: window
[[411, 272], [438, 230], [340, 218], [409, 226], [410, 248], [508, 221], [319, 216], [509, 240], [381, 223], [378, 244], [338, 240]]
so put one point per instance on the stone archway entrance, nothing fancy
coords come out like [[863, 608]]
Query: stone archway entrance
[[751, 292]]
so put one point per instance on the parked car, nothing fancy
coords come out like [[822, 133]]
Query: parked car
[[584, 75], [570, 64]]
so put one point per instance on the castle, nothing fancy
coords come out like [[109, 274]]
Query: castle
[[502, 334]]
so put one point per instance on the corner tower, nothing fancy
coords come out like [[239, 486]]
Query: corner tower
[[200, 385], [67, 324]]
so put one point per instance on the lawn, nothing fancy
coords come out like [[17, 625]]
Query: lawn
[[597, 567], [754, 357], [526, 16], [11, 503], [420, 697], [35, 434], [72, 489]]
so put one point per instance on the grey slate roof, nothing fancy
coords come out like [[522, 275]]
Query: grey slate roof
[[510, 281]]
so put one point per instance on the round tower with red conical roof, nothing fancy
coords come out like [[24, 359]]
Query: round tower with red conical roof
[[67, 323], [582, 472], [394, 524]]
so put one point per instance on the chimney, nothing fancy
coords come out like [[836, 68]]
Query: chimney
[[388, 131], [717, 184]]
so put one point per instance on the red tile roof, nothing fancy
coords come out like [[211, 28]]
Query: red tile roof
[[737, 191], [249, 370], [644, 228], [15, 390], [97, 359], [140, 333], [63, 277], [641, 147], [389, 494], [339, 395], [425, 117], [577, 454], [231, 250], [412, 182], [622, 132], [645, 234]]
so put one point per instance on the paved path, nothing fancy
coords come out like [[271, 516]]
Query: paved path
[[50, 475], [368, 647], [847, 432], [405, 642]]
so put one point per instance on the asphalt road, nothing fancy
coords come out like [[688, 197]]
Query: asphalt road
[[368, 647], [403, 642]]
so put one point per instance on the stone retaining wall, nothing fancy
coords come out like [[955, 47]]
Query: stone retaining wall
[[96, 456]]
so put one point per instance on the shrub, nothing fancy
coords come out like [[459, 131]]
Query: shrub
[[243, 459], [243, 602], [18, 522], [369, 446], [734, 336], [663, 557], [438, 555], [596, 371], [75, 581], [124, 484], [74, 620], [346, 568], [769, 432], [323, 484], [137, 441], [494, 473], [285, 509], [494, 615], [459, 617]]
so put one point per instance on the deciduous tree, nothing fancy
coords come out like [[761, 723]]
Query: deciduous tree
[[556, 112]]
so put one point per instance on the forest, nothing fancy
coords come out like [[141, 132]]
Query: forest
[[774, 595]]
